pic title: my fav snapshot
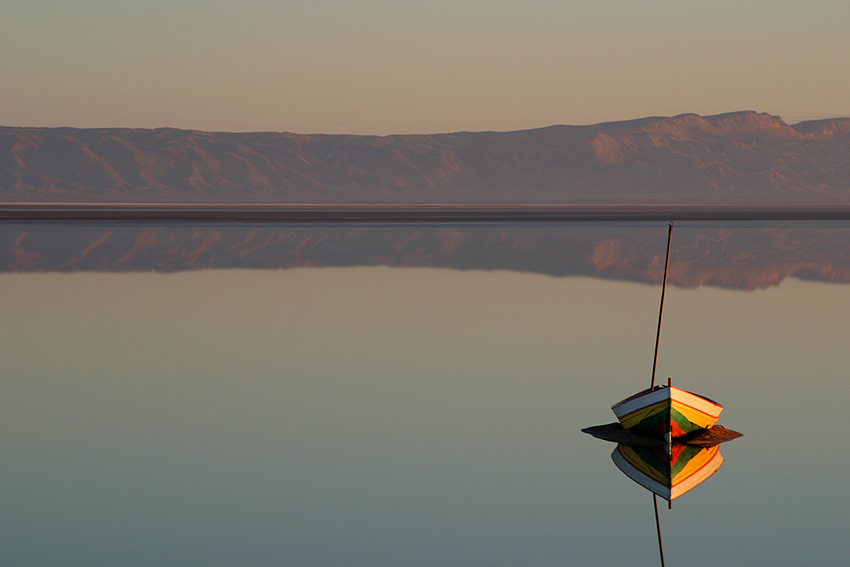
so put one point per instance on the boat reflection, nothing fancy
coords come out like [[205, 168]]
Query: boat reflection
[[668, 475], [668, 470]]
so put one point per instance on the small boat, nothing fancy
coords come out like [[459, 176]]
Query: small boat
[[663, 410], [668, 475]]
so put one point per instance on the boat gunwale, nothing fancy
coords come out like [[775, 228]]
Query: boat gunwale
[[650, 390], [672, 390]]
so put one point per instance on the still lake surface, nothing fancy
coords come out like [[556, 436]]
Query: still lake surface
[[325, 395]]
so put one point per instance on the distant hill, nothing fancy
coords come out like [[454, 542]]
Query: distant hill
[[735, 157]]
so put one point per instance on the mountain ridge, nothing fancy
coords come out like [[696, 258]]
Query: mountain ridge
[[731, 157]]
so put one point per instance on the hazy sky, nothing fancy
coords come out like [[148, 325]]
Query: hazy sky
[[382, 66]]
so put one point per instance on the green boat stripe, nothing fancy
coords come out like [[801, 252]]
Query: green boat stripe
[[682, 422]]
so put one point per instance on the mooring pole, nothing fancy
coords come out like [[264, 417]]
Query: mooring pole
[[658, 528], [661, 309]]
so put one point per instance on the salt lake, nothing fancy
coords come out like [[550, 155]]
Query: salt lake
[[224, 394]]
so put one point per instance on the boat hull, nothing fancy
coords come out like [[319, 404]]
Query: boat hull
[[664, 409]]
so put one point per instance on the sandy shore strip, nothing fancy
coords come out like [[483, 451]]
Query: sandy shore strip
[[414, 213]]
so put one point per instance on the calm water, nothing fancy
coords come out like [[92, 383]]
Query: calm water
[[407, 395]]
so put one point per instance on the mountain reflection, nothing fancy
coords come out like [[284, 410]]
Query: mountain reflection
[[742, 257]]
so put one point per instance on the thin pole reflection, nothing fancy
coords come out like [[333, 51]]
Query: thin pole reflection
[[658, 528]]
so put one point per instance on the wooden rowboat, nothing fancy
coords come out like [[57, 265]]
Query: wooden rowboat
[[660, 410]]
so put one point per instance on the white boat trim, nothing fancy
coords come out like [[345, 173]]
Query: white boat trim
[[684, 397]]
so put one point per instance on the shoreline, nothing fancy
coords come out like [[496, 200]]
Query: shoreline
[[414, 213]]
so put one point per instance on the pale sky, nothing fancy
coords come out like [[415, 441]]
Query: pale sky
[[383, 67]]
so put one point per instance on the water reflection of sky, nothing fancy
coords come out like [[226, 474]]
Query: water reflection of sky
[[386, 416]]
